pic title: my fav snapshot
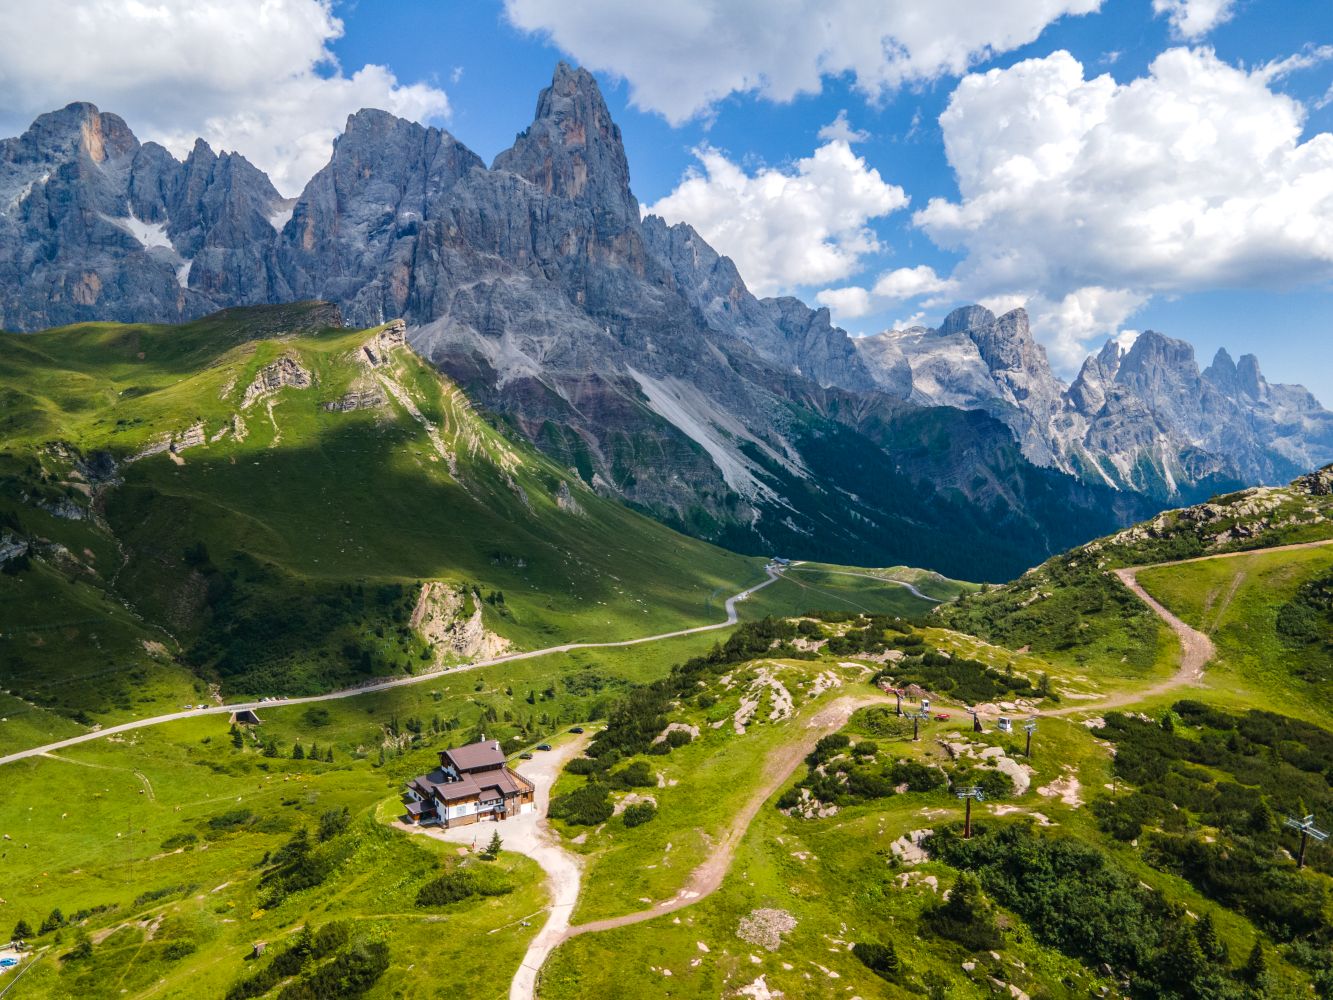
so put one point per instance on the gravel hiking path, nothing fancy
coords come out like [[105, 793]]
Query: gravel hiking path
[[771, 577], [531, 834], [778, 767]]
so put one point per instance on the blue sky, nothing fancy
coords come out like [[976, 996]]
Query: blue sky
[[492, 71], [1174, 171]]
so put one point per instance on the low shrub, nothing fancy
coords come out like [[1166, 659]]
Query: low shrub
[[586, 806], [639, 813]]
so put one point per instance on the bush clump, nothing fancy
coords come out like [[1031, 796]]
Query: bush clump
[[639, 813], [586, 806]]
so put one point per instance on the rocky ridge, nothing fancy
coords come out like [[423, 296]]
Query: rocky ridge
[[627, 349], [1142, 418]]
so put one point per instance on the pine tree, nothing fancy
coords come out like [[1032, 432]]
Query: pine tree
[[314, 752], [1262, 819], [1210, 943], [328, 755], [298, 752], [1255, 969], [493, 848], [271, 748], [237, 740], [21, 931]]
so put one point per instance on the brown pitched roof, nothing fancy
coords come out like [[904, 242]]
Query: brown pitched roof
[[500, 781], [476, 756]]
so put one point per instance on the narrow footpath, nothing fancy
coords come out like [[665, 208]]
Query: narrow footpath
[[531, 834]]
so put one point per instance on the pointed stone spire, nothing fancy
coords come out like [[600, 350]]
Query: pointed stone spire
[[573, 150]]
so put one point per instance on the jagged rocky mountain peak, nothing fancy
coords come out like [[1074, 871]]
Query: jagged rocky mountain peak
[[628, 348], [967, 318], [1249, 377], [81, 127], [573, 148]]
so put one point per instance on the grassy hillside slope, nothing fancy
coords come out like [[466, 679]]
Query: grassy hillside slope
[[1072, 610], [251, 503]]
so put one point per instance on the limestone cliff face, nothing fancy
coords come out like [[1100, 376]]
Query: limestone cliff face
[[95, 225], [628, 349], [1145, 419]]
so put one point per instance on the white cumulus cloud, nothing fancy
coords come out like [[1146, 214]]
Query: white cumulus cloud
[[1090, 196], [841, 128], [254, 76], [682, 57], [1194, 18], [851, 302], [1066, 326], [910, 282], [806, 225]]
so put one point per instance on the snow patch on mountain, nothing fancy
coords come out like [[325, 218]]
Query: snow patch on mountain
[[150, 234], [282, 214]]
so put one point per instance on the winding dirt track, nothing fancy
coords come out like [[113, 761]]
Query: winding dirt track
[[1196, 648], [563, 867], [779, 765]]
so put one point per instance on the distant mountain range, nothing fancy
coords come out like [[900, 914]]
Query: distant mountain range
[[1140, 418], [633, 353]]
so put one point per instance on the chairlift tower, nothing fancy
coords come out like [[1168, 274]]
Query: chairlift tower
[[916, 718], [1029, 727], [976, 721], [967, 795], [1308, 830], [899, 693]]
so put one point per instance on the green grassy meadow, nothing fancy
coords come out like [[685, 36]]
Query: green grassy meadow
[[1237, 601], [285, 554]]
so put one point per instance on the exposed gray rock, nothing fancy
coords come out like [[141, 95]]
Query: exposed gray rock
[[284, 373], [95, 225], [358, 399], [1145, 419], [625, 348], [64, 507], [11, 546]]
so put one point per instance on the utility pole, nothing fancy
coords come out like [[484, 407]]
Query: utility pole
[[1029, 727], [967, 795], [1308, 830]]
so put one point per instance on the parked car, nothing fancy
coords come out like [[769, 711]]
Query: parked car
[[543, 746], [577, 730], [525, 755], [942, 717]]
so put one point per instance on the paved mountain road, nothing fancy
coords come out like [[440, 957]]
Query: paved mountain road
[[772, 576], [868, 576]]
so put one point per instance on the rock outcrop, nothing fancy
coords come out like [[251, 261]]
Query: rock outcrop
[[449, 618], [284, 373]]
